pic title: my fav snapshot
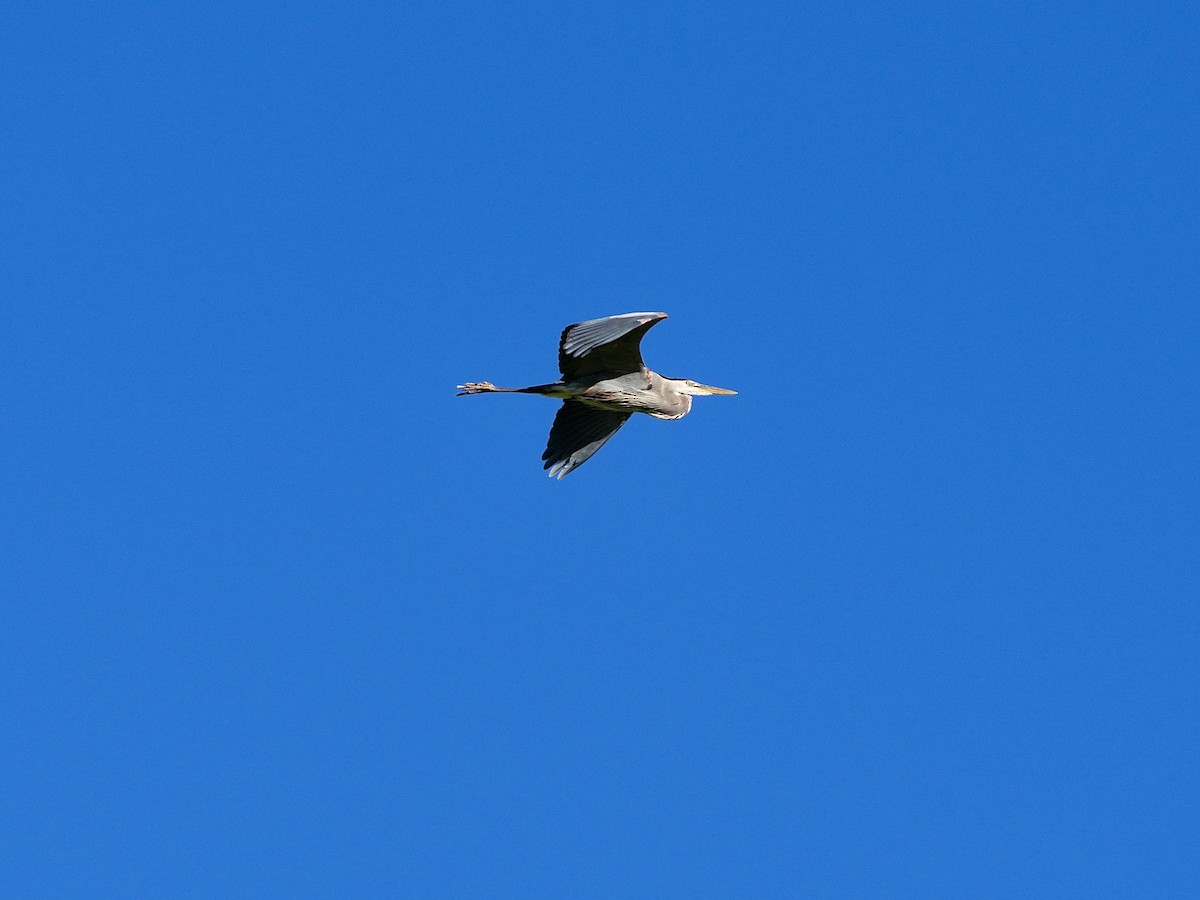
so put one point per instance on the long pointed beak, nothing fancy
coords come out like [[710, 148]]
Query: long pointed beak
[[707, 389]]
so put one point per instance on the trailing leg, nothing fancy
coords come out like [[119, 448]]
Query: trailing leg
[[486, 387]]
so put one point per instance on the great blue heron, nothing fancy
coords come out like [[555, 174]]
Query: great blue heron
[[604, 382]]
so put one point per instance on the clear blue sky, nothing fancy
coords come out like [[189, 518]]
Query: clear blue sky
[[915, 614]]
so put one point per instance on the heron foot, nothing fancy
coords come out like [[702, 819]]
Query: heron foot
[[475, 387]]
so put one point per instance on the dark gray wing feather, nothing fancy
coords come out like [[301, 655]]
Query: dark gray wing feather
[[608, 346], [577, 433]]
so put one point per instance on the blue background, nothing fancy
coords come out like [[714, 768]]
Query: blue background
[[915, 614]]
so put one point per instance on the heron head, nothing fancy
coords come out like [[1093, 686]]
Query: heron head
[[701, 390]]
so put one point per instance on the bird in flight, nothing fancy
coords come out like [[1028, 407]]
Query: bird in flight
[[604, 382]]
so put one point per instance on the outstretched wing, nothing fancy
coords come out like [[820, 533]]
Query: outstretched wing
[[608, 346], [577, 433]]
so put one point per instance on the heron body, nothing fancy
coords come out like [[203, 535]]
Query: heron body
[[604, 382]]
